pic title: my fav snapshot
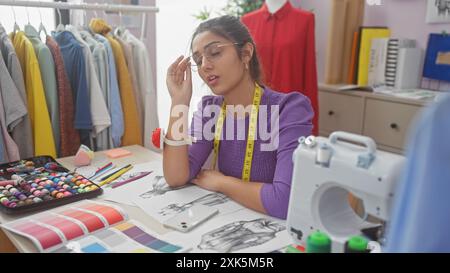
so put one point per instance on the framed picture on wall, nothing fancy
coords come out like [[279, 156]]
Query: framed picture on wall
[[438, 11]]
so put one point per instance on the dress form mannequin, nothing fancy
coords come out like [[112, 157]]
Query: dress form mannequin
[[274, 5], [289, 61]]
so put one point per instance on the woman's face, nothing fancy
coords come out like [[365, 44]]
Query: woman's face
[[217, 61]]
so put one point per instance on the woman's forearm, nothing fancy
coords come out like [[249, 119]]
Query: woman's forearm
[[247, 194], [176, 158]]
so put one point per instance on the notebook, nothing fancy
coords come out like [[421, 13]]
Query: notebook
[[116, 153], [435, 66], [367, 34]]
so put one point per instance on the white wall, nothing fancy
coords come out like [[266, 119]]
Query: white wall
[[174, 27], [22, 14], [406, 18]]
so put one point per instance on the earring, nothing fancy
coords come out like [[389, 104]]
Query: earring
[[246, 66]]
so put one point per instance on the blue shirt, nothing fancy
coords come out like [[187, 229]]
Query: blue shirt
[[114, 103], [74, 64], [421, 215]]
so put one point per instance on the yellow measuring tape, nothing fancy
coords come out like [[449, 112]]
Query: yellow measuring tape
[[250, 138]]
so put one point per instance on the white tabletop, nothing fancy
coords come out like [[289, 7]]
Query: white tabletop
[[139, 155]]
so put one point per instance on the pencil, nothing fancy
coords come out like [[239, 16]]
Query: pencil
[[115, 176], [130, 180], [102, 170], [111, 174]]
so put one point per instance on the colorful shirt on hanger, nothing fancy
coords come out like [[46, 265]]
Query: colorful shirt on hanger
[[75, 65], [103, 140], [114, 101], [285, 43], [133, 133], [146, 84], [47, 67], [20, 129], [100, 115], [131, 68], [44, 143], [70, 137], [3, 159], [8, 148]]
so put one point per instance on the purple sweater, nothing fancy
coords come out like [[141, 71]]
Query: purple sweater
[[273, 167]]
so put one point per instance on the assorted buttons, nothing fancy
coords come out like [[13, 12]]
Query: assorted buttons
[[28, 185]]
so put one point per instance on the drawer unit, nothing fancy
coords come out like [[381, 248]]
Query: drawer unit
[[388, 123], [387, 119], [340, 113]]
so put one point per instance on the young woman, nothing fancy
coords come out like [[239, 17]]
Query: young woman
[[246, 171]]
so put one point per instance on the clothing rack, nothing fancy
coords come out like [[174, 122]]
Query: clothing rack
[[82, 6], [85, 6]]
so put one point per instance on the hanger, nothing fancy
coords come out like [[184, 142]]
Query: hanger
[[143, 29], [41, 25], [120, 18], [16, 26], [60, 27], [28, 15], [105, 6], [95, 11], [120, 28], [85, 22]]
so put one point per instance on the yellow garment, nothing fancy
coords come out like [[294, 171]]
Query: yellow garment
[[133, 131], [44, 143]]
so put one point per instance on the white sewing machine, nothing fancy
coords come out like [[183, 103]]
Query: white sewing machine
[[326, 170]]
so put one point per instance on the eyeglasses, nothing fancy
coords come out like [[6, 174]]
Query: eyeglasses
[[212, 53]]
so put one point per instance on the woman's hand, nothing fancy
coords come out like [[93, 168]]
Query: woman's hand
[[210, 180], [179, 81]]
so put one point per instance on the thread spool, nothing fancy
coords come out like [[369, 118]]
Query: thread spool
[[318, 242], [356, 244], [323, 155], [8, 182]]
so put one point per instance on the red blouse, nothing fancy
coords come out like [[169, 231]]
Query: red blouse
[[285, 43]]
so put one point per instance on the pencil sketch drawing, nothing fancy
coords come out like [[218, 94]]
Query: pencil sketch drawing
[[211, 199], [240, 235], [159, 187]]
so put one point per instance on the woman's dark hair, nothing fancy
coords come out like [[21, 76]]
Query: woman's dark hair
[[231, 28]]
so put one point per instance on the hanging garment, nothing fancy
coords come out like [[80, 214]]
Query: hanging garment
[[3, 158], [20, 129], [44, 143], [70, 138], [132, 134], [100, 115], [131, 68], [48, 75], [145, 85], [114, 102], [103, 140], [9, 98], [285, 43], [75, 66]]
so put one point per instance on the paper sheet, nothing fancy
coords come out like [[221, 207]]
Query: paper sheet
[[166, 205], [243, 231], [125, 194]]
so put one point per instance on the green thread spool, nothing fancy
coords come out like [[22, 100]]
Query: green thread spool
[[356, 244], [318, 242]]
